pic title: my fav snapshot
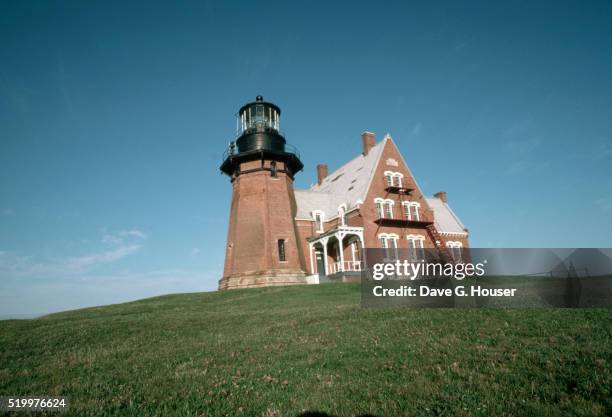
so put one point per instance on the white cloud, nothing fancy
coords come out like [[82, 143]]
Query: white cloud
[[85, 262], [111, 239], [123, 243], [133, 233], [118, 238]]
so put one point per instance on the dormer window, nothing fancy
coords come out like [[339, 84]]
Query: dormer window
[[318, 219], [342, 214]]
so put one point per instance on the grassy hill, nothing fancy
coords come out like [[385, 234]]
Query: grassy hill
[[287, 351]]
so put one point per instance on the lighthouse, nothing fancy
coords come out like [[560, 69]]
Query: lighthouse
[[263, 243]]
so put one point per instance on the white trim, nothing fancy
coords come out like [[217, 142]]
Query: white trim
[[454, 244], [385, 239], [342, 214], [393, 175], [321, 226]]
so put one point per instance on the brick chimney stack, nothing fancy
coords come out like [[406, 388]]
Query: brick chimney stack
[[369, 140], [442, 196], [321, 173]]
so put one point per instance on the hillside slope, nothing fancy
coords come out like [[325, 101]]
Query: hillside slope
[[285, 351]]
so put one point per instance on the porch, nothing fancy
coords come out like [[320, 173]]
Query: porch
[[336, 254]]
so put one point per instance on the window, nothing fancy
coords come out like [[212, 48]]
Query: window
[[384, 208], [406, 207], [415, 211], [393, 179], [411, 210], [273, 170], [397, 181], [318, 219], [356, 251], [393, 247], [455, 250], [383, 241], [281, 250], [342, 214], [416, 246], [389, 210], [389, 243], [380, 208], [389, 178]]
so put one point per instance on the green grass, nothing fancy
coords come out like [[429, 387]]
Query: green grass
[[286, 351]]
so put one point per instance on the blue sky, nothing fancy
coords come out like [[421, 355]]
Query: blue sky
[[114, 116]]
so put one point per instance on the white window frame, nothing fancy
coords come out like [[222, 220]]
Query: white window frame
[[416, 245], [455, 249], [384, 208], [411, 210], [394, 179], [320, 227], [389, 241], [389, 178], [390, 204], [342, 214]]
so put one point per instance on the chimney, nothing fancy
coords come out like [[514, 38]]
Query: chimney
[[442, 196], [321, 173], [369, 140]]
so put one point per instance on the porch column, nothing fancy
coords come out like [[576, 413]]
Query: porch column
[[361, 248], [311, 247], [324, 242], [340, 237]]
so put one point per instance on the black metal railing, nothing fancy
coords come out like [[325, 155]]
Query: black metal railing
[[233, 150]]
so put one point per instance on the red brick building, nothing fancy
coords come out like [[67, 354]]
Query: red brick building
[[278, 235]]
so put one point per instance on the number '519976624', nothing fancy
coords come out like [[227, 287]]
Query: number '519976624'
[[33, 403]]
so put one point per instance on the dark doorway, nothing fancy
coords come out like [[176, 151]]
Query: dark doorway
[[320, 264]]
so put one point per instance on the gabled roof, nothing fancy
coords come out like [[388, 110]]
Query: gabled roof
[[445, 219], [347, 185]]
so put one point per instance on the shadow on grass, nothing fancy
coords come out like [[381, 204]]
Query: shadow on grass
[[321, 414]]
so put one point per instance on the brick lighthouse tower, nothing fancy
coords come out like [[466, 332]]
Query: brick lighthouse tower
[[263, 246]]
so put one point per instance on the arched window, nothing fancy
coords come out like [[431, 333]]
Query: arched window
[[393, 179], [380, 208], [416, 246], [384, 208], [389, 210], [455, 249], [388, 241], [411, 210], [389, 178]]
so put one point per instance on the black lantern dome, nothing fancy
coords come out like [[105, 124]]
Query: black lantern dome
[[259, 137]]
